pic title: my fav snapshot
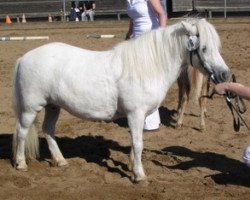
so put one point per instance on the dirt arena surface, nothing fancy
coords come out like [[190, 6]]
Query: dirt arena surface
[[180, 163]]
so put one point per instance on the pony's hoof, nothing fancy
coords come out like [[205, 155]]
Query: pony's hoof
[[176, 114], [138, 179], [178, 125], [130, 166], [60, 163], [143, 183], [23, 168], [203, 128]]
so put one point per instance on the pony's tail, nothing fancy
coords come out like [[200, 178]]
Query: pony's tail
[[196, 80], [31, 141], [15, 91], [31, 144]]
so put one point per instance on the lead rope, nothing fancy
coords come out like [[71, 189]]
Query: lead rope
[[236, 106]]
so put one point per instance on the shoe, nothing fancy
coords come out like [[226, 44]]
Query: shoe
[[151, 130], [246, 156]]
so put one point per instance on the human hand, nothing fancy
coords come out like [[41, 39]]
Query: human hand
[[220, 88], [127, 36]]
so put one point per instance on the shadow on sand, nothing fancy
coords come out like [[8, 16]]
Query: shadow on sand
[[94, 149], [231, 171]]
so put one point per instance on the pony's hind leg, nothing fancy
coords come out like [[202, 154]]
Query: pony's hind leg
[[51, 116], [181, 111], [184, 91], [21, 143]]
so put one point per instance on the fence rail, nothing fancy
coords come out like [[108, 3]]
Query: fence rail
[[222, 6], [211, 5], [34, 8], [60, 8]]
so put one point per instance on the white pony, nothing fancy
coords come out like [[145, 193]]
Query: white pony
[[130, 80]]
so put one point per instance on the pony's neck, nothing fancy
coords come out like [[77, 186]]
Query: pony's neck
[[159, 53], [174, 45]]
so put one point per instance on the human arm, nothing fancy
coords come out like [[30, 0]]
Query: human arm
[[161, 14], [130, 30], [232, 87], [93, 6], [84, 7]]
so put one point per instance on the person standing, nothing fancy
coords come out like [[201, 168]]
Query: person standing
[[75, 12], [241, 91], [88, 10], [146, 15]]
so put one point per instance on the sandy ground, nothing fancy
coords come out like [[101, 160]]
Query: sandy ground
[[180, 163]]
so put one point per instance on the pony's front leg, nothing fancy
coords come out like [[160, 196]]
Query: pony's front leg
[[135, 122], [202, 114], [203, 103], [51, 116]]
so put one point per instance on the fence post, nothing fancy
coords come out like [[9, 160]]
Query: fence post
[[64, 9], [193, 4], [225, 8]]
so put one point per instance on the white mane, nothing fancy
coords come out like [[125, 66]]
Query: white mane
[[152, 53], [149, 54]]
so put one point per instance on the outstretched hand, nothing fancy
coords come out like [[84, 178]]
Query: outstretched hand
[[220, 88], [232, 88]]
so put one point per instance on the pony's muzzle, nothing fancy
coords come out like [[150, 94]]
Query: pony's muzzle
[[220, 76], [225, 75]]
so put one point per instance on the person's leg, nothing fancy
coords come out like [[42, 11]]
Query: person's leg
[[72, 15], [84, 17], [78, 15], [246, 156], [91, 15], [152, 121]]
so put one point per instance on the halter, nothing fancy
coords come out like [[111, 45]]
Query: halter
[[193, 47]]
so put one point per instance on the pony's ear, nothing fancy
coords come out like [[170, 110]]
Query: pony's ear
[[190, 28]]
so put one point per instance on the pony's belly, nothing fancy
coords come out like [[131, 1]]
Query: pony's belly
[[96, 110], [94, 114], [92, 97]]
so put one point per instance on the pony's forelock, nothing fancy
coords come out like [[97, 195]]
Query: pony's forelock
[[208, 34]]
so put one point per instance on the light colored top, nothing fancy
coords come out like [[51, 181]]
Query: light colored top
[[142, 15]]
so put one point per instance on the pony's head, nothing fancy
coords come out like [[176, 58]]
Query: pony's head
[[203, 44]]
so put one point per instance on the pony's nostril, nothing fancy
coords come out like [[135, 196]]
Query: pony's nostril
[[225, 75]]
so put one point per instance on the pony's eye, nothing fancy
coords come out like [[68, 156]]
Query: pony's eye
[[204, 49]]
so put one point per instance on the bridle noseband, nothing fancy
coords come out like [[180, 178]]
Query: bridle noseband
[[193, 48]]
